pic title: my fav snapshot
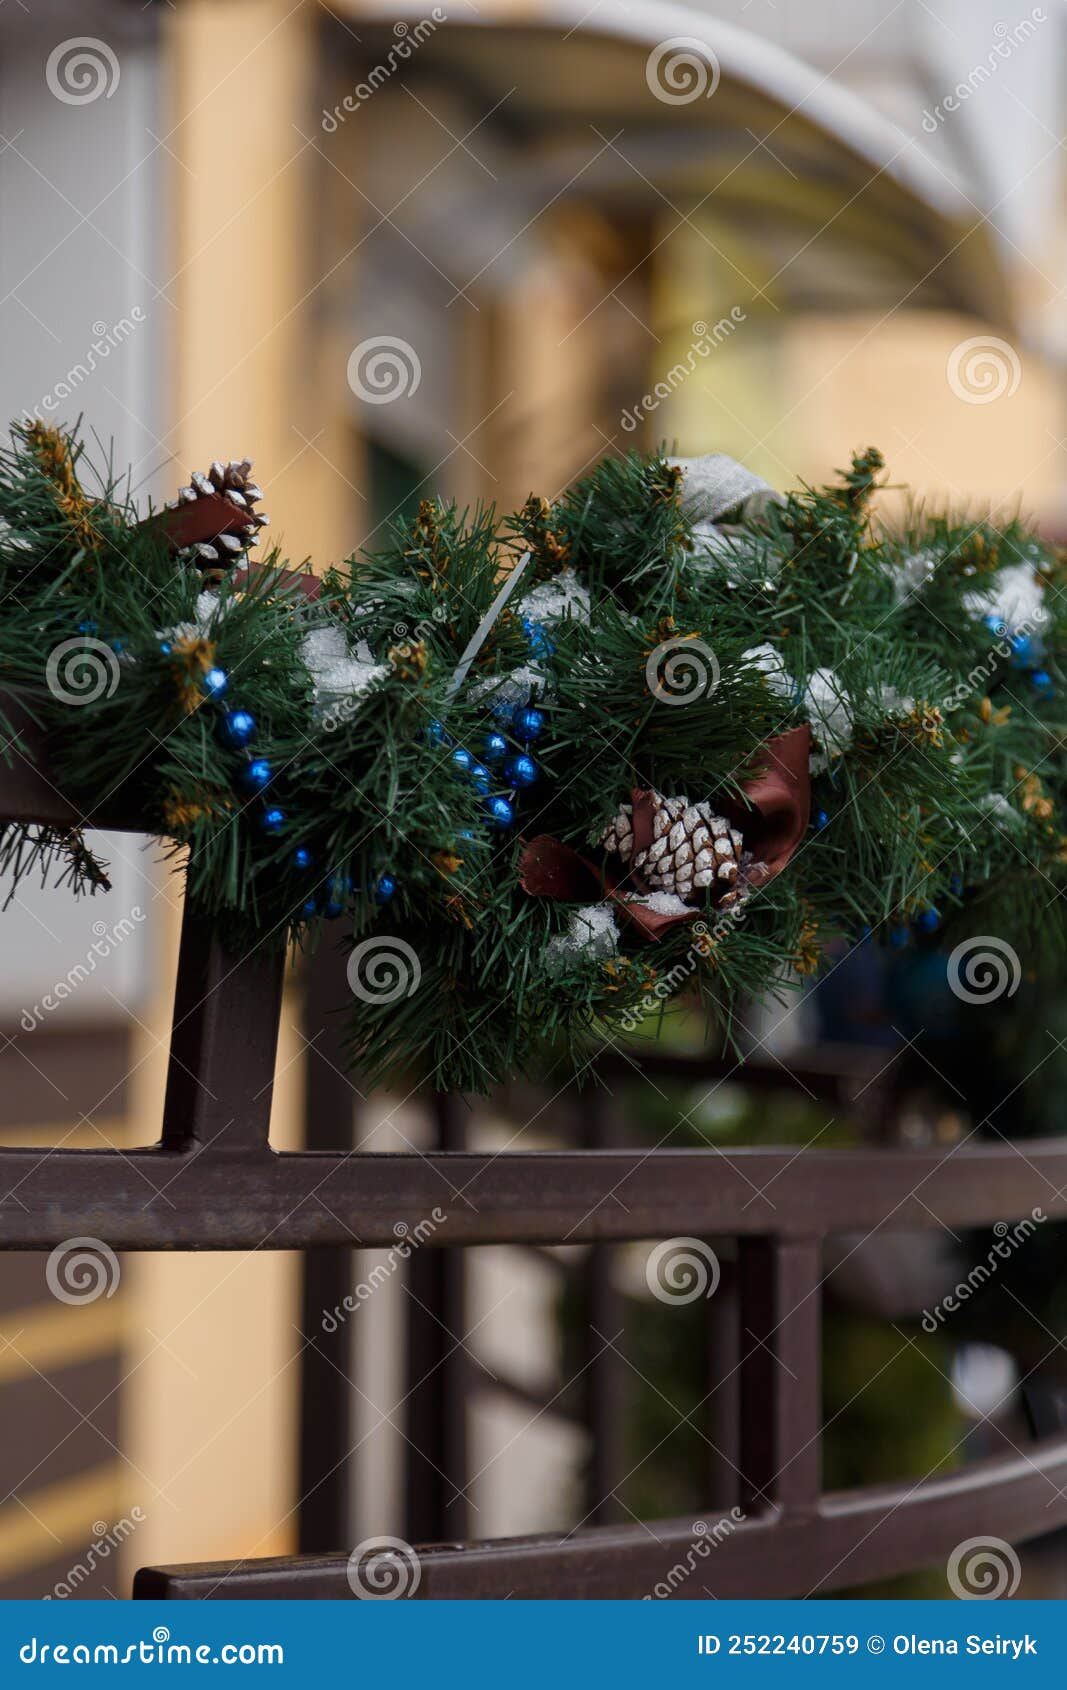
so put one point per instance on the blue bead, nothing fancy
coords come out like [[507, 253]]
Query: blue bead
[[955, 885], [995, 624], [237, 728], [462, 759], [521, 771], [481, 777], [272, 821], [1041, 680], [309, 908], [385, 888], [302, 858], [332, 909], [215, 682], [898, 937], [500, 812], [87, 627], [540, 644], [257, 774], [929, 921], [820, 820], [528, 722], [164, 646], [437, 735], [1022, 650], [496, 747], [118, 646]]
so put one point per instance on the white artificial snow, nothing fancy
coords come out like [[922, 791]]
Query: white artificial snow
[[768, 660], [591, 932], [660, 903], [912, 574], [829, 710], [208, 610], [337, 674], [1014, 597], [561, 597], [522, 686]]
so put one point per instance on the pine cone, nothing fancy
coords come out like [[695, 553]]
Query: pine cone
[[692, 848], [233, 482], [618, 836]]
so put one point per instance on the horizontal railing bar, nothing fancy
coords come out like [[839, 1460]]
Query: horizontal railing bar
[[155, 1199], [846, 1539]]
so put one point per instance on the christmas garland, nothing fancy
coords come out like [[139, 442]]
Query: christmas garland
[[660, 740]]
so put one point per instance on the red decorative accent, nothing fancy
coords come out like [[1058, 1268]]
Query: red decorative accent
[[550, 869], [780, 795], [199, 522]]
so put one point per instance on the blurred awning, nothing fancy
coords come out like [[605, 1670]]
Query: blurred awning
[[652, 107]]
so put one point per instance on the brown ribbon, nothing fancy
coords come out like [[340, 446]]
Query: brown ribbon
[[772, 816]]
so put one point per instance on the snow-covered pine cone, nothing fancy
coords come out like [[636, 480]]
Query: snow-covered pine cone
[[233, 481], [618, 836], [692, 849]]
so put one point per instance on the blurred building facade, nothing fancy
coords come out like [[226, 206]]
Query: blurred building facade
[[560, 264]]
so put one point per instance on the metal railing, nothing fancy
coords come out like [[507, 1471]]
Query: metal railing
[[214, 1182]]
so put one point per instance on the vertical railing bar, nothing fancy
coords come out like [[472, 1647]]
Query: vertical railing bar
[[781, 1368], [723, 1354], [438, 1374], [326, 1466], [223, 1044], [605, 1373]]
